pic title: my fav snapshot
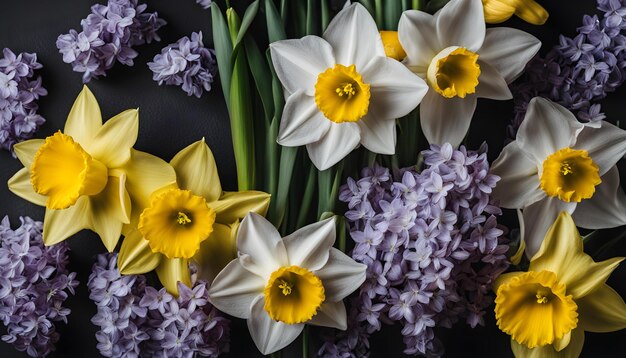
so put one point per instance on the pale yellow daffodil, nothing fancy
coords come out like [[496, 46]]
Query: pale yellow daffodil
[[88, 175], [564, 293], [497, 11], [191, 220]]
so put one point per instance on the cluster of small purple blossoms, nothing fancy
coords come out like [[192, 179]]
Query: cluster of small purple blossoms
[[580, 71], [108, 35], [19, 92], [432, 245], [206, 4], [136, 319], [34, 284], [186, 63]]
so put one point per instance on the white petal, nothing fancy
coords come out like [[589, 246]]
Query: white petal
[[308, 247], [417, 32], [607, 207], [234, 289], [354, 37], [261, 249], [446, 120], [461, 23], [547, 127], [508, 50], [395, 90], [269, 335], [341, 276], [378, 135], [302, 122], [605, 144], [519, 181], [331, 314], [538, 218], [299, 62], [338, 142], [491, 84]]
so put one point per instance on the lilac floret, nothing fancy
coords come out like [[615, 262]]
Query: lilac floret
[[206, 4]]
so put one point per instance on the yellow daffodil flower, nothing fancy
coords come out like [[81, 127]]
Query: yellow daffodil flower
[[88, 175], [564, 293], [497, 11], [189, 220]]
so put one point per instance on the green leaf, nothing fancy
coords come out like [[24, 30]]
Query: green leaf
[[223, 48], [393, 10], [248, 17], [275, 26], [287, 161], [262, 77], [434, 5], [311, 17], [307, 197], [325, 14]]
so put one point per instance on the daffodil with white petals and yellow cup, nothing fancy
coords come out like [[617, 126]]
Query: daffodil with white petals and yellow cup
[[190, 220], [461, 61], [281, 284], [88, 176]]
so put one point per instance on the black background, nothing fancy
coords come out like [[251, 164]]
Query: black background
[[170, 120]]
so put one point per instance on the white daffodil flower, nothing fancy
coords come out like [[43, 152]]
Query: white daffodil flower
[[558, 164], [279, 284], [342, 90], [461, 61]]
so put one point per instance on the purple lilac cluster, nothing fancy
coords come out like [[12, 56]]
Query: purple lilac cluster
[[206, 4], [136, 319], [579, 71], [34, 284], [108, 35], [186, 63], [432, 245], [19, 92]]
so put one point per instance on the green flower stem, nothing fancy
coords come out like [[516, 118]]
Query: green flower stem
[[305, 342], [341, 226], [307, 198], [378, 8]]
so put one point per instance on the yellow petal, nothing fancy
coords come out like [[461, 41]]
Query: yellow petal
[[196, 171], [497, 11], [113, 142], [110, 209], [532, 12], [21, 186], [517, 258], [216, 252], [562, 253], [234, 206], [84, 119], [602, 311], [135, 255], [26, 150], [58, 225], [571, 351], [170, 271], [504, 278], [561, 344]]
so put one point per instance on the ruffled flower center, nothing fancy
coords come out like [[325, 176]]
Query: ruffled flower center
[[454, 72], [176, 223], [570, 175], [341, 94], [392, 45], [534, 309], [63, 172], [293, 295]]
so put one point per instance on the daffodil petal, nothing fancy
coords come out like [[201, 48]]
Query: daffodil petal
[[378, 135], [491, 84], [113, 142], [234, 289], [215, 252], [606, 208], [605, 145], [560, 344], [354, 37], [269, 335], [172, 271], [461, 23], [338, 142], [302, 122], [341, 275], [532, 12], [446, 120], [135, 255], [58, 225], [602, 311], [261, 249], [508, 50], [196, 171], [538, 218], [418, 36], [110, 209], [20, 185], [571, 351], [26, 150], [233, 206], [504, 278], [84, 120], [547, 128], [519, 181], [562, 253], [309, 246], [331, 314]]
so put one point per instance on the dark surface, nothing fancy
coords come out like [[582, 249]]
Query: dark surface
[[169, 121]]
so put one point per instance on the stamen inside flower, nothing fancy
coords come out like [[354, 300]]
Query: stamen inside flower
[[341, 94], [63, 172], [535, 309], [176, 223], [570, 174], [293, 295], [454, 72]]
